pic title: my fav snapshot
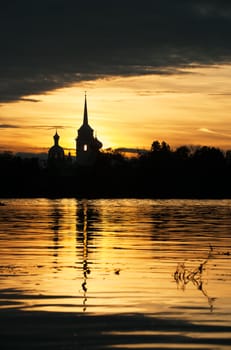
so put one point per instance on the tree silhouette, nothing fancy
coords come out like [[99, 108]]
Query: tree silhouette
[[159, 173]]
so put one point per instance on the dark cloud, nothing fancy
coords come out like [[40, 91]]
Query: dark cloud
[[44, 127], [29, 99], [131, 150], [49, 44], [49, 127], [9, 126]]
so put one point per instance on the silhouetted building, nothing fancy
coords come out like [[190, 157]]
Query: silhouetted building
[[56, 152], [87, 145]]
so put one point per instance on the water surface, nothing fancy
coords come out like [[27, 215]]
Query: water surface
[[165, 258]]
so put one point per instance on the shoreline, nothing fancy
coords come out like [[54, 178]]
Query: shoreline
[[118, 183]]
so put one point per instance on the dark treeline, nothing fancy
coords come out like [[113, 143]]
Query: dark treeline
[[197, 172]]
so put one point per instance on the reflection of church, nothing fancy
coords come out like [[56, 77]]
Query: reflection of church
[[87, 145]]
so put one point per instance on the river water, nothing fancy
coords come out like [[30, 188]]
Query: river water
[[169, 258]]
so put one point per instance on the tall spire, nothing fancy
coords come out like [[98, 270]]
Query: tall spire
[[85, 116]]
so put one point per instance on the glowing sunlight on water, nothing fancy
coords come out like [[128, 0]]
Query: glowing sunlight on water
[[155, 257]]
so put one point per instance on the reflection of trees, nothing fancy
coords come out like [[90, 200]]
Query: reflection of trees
[[183, 276], [160, 220], [55, 226]]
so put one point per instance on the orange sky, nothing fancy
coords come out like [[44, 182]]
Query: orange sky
[[185, 109]]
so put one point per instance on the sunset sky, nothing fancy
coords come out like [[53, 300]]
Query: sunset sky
[[153, 70]]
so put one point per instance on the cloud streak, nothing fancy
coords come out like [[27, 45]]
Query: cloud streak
[[42, 127], [54, 44], [207, 131], [9, 126], [215, 134]]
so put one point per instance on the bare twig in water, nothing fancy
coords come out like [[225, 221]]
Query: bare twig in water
[[183, 276]]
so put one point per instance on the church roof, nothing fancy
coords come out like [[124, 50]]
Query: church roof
[[56, 149]]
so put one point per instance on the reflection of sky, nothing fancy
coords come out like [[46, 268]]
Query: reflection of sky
[[115, 255]]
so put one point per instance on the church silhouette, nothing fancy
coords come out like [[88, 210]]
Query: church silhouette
[[87, 145]]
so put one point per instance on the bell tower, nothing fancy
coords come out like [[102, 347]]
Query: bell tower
[[87, 146]]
